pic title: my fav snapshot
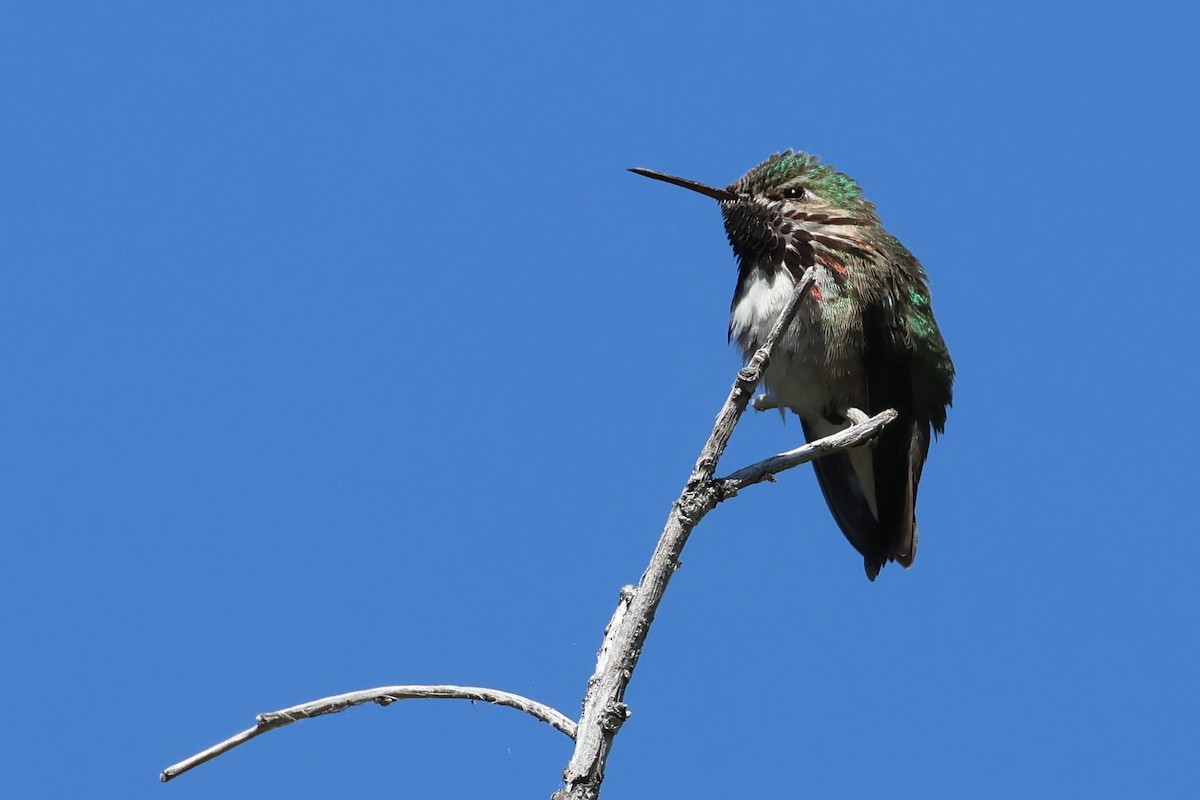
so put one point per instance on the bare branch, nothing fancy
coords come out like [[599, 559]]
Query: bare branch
[[603, 707], [384, 695], [208, 755], [766, 469]]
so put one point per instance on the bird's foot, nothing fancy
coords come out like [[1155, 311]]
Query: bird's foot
[[765, 402]]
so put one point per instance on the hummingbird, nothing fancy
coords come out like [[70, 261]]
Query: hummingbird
[[864, 338]]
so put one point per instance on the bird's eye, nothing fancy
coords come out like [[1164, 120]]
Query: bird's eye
[[794, 193]]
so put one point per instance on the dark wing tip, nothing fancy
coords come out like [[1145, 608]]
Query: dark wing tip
[[872, 566], [909, 555]]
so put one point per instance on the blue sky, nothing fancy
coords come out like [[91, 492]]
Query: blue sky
[[340, 350]]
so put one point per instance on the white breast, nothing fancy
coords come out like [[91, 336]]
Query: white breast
[[813, 372], [759, 305]]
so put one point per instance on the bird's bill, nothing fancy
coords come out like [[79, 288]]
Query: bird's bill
[[722, 195]]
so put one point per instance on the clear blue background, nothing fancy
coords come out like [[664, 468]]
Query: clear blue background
[[338, 349]]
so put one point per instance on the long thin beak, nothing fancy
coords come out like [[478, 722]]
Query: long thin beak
[[722, 195]]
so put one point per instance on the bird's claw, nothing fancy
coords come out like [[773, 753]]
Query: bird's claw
[[764, 402]]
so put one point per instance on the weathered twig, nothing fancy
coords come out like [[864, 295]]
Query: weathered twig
[[768, 468], [384, 695], [604, 708]]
